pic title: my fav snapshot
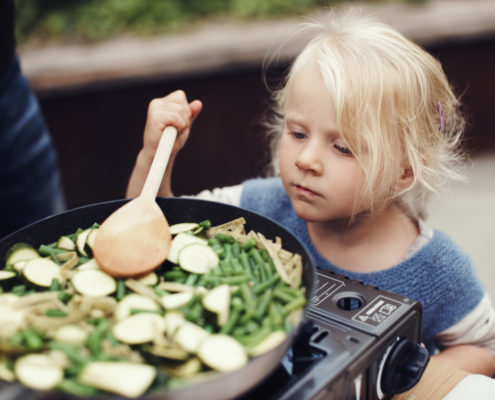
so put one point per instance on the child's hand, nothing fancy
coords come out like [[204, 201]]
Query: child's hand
[[174, 110]]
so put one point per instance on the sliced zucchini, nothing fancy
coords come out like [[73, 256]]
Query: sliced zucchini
[[189, 336], [198, 258], [6, 275], [217, 300], [180, 241], [38, 371], [6, 373], [20, 252], [72, 334], [173, 320], [270, 342], [222, 353], [149, 279], [134, 301], [122, 378], [176, 300], [186, 369], [93, 283], [91, 264], [139, 328], [20, 264], [90, 240], [41, 272], [171, 353], [66, 243], [183, 227], [81, 239]]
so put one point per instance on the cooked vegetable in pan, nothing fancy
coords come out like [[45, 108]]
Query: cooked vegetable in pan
[[222, 297]]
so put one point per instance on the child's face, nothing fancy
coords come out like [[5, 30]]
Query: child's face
[[318, 171]]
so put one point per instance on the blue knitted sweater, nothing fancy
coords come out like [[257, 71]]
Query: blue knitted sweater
[[439, 275]]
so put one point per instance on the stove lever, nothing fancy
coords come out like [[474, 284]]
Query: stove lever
[[404, 367]]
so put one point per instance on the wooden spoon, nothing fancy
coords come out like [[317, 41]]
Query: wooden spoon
[[135, 239]]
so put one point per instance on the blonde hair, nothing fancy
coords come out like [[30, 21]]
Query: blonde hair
[[388, 94]]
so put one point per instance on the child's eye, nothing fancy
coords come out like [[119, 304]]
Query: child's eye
[[299, 135], [343, 149]]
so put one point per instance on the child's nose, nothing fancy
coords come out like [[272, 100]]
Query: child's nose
[[309, 159]]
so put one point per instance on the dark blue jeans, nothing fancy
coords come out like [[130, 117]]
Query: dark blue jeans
[[30, 184]]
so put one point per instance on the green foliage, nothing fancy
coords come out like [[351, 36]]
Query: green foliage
[[94, 20]]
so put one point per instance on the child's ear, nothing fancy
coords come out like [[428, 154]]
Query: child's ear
[[406, 178]]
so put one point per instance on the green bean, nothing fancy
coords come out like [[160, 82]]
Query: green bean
[[235, 280], [295, 304], [224, 238], [236, 249], [237, 266], [45, 250], [234, 316], [174, 275], [255, 254], [55, 285], [70, 351], [283, 295], [256, 337], [275, 314], [121, 289], [206, 224], [64, 297], [191, 279], [55, 312], [93, 342], [263, 304], [261, 287], [244, 260], [251, 242], [227, 251], [76, 388], [32, 339]]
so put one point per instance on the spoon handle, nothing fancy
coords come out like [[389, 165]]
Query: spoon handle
[[159, 164]]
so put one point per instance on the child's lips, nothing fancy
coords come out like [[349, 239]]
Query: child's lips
[[304, 191]]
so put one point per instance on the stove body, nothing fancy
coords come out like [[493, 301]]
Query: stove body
[[359, 342]]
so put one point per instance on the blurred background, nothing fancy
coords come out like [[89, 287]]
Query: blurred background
[[95, 65]]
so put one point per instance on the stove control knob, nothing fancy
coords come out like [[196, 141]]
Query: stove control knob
[[403, 367]]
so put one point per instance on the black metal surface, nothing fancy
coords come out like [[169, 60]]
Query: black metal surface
[[222, 386]]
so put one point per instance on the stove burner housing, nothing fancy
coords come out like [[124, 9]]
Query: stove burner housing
[[359, 342]]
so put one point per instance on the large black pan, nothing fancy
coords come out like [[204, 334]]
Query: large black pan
[[222, 386]]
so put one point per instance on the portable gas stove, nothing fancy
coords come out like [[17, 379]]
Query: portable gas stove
[[358, 343]]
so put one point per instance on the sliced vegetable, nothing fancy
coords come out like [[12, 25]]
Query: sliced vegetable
[[93, 283], [41, 272], [222, 353], [270, 342], [176, 300], [183, 227], [149, 279], [38, 371], [91, 264], [81, 239], [134, 301], [185, 370], [139, 328], [20, 252], [123, 378], [66, 243], [198, 258], [189, 336], [72, 334], [90, 240], [6, 275], [180, 241], [217, 300]]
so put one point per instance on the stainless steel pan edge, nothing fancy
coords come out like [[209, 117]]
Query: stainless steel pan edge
[[220, 386]]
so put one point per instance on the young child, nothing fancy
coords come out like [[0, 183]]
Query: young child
[[365, 127]]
